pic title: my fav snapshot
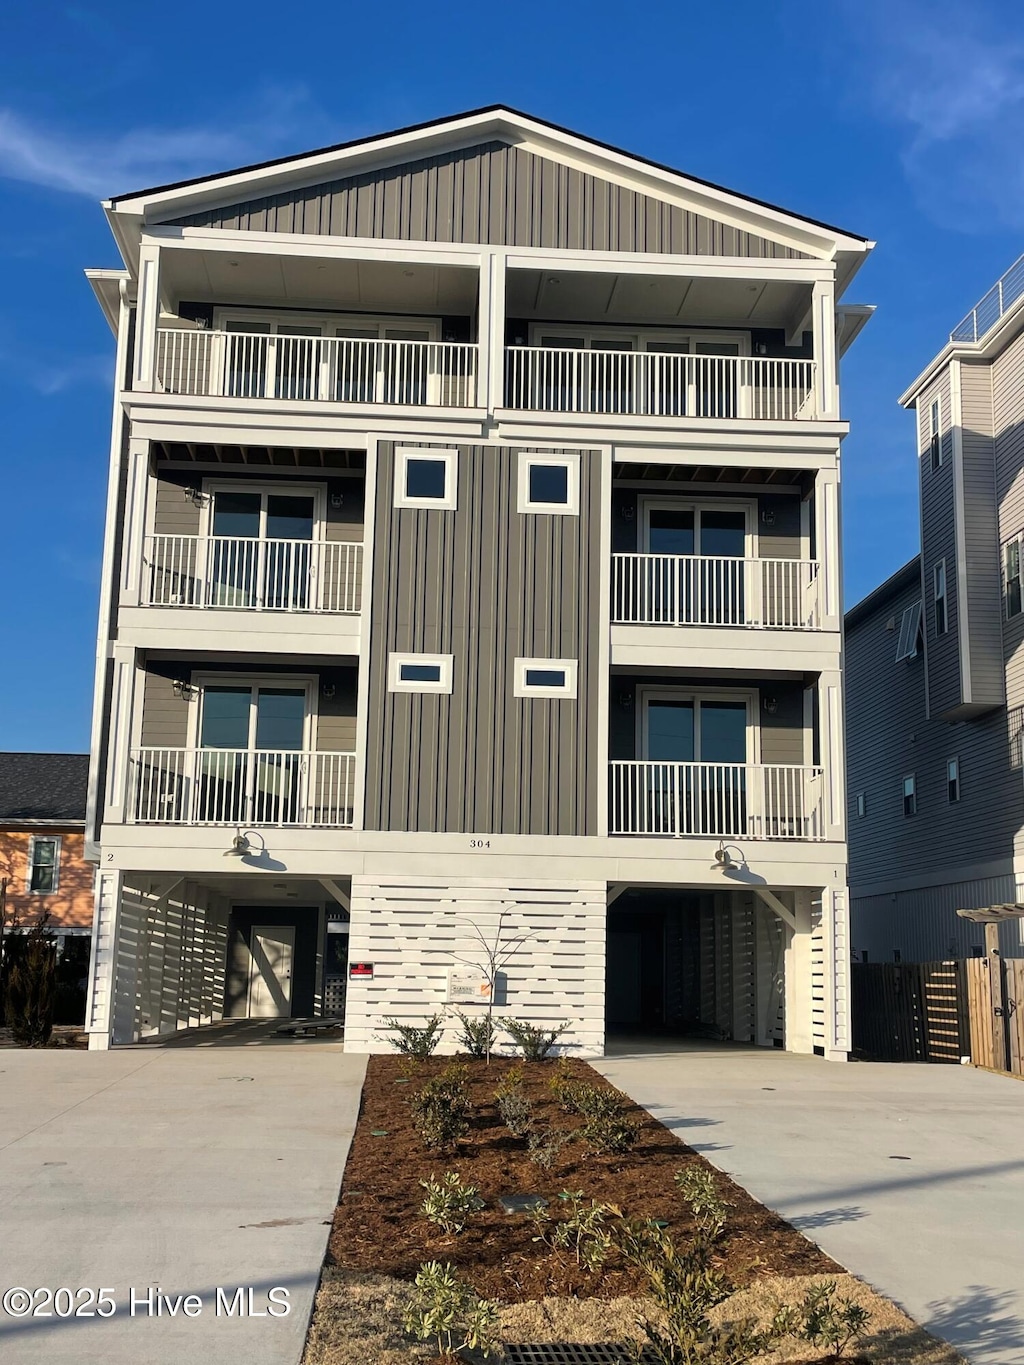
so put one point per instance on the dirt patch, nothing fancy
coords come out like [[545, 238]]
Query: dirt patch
[[378, 1227], [63, 1036]]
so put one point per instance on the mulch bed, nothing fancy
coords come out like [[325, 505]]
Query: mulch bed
[[378, 1226], [63, 1036]]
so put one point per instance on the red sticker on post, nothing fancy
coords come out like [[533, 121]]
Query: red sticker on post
[[359, 969]]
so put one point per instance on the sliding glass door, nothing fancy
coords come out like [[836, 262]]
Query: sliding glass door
[[698, 749], [261, 550], [251, 741]]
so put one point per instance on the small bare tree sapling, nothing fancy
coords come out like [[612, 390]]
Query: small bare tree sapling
[[490, 958]]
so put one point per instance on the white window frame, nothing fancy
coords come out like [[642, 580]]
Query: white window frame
[[317, 491], [750, 697], [912, 794], [54, 839], [908, 639], [520, 687], [396, 683], [939, 572], [307, 682], [935, 450], [953, 779], [647, 505], [862, 805], [570, 461], [448, 456], [1014, 543], [277, 318]]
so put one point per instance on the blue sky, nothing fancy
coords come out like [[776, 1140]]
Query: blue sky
[[901, 120]]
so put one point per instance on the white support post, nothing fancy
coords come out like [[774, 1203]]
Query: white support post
[[119, 733], [491, 332], [830, 741], [799, 977], [99, 1006], [828, 547], [835, 923], [146, 319], [823, 327], [135, 521]]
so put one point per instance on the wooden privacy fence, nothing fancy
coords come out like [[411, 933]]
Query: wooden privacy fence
[[940, 1012]]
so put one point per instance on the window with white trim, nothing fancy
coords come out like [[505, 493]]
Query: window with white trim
[[426, 478], [935, 435], [43, 865], [1012, 600], [910, 632], [952, 780], [544, 678], [941, 606], [549, 483], [420, 672], [910, 794]]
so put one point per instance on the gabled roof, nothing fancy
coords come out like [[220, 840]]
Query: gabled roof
[[43, 788], [503, 110], [909, 574]]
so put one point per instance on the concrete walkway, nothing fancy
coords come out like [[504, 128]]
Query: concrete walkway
[[180, 1168], [910, 1176]]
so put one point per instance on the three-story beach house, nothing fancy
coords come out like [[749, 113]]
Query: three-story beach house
[[472, 564]]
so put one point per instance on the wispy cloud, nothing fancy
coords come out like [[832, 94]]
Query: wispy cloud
[[952, 75], [97, 166]]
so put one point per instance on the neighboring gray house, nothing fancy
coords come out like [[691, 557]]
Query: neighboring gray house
[[472, 553], [935, 666]]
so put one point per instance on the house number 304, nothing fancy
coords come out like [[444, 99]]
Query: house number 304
[[479, 843]]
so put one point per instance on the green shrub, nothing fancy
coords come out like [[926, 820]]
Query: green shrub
[[828, 1322], [441, 1109], [698, 1188], [583, 1230], [449, 1202], [476, 1036], [532, 1041], [449, 1313], [545, 1145], [415, 1042], [514, 1105], [611, 1134]]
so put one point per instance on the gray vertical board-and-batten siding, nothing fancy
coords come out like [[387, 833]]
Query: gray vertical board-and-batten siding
[[889, 738], [493, 194], [487, 584]]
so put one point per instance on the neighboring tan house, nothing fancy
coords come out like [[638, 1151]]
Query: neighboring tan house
[[472, 556], [42, 836], [935, 665]]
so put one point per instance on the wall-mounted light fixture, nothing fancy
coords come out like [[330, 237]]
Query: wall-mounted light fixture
[[203, 322], [770, 704], [337, 499], [628, 511], [626, 701], [182, 689], [328, 690], [196, 496], [768, 516]]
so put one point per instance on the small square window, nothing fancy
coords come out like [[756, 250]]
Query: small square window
[[426, 478], [549, 483], [953, 780], [910, 795], [419, 673], [43, 866], [544, 678], [862, 805]]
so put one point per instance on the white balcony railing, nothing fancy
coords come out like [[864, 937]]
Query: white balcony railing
[[698, 590], [652, 384], [239, 787], [322, 369], [252, 575], [722, 800]]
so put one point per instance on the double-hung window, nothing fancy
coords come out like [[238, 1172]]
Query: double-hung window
[[935, 435], [43, 865], [1011, 577], [941, 605], [910, 794]]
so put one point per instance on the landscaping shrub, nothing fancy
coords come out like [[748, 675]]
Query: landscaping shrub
[[698, 1188], [545, 1145], [582, 1230], [476, 1036], [449, 1202], [611, 1134], [30, 968], [828, 1322], [415, 1042], [446, 1311], [441, 1109], [514, 1105], [533, 1042]]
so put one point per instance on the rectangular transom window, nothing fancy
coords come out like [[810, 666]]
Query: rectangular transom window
[[545, 678], [910, 795], [426, 478], [549, 483], [419, 672], [43, 865], [952, 780], [941, 612]]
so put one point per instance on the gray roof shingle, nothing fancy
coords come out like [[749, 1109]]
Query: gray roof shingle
[[43, 787]]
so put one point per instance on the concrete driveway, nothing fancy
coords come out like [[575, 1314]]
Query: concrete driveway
[[910, 1176], [180, 1170]]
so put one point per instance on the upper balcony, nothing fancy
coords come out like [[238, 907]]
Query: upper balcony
[[635, 348]]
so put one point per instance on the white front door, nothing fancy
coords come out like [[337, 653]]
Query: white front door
[[272, 948]]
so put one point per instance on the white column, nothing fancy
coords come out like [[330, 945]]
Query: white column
[[799, 977], [823, 327], [112, 994], [135, 520], [147, 315], [119, 732], [828, 547], [835, 923], [491, 332], [833, 763]]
